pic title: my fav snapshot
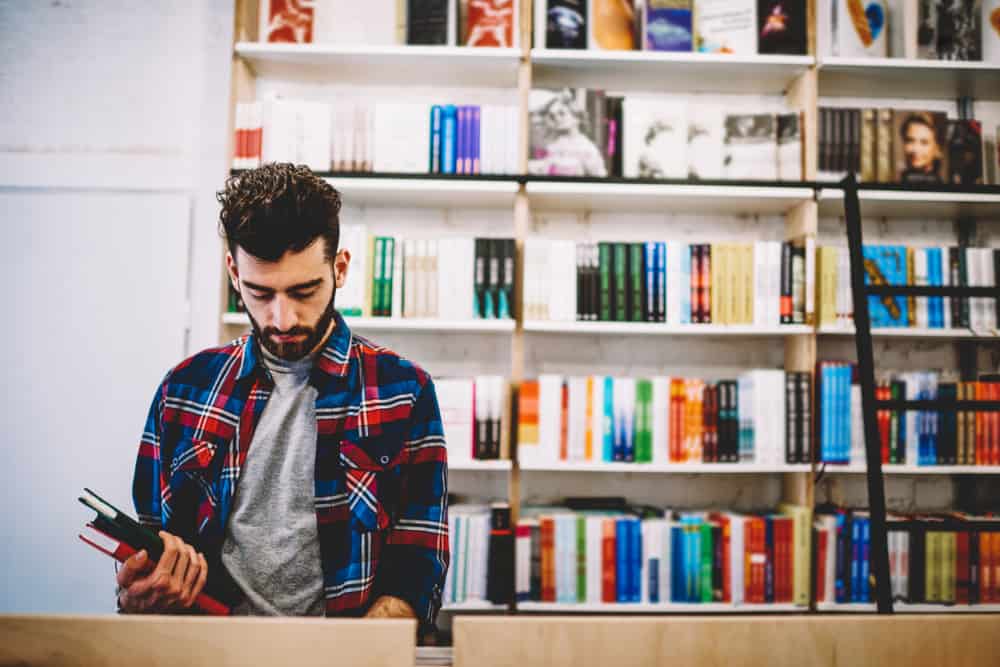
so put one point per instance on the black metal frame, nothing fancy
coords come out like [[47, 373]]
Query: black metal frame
[[866, 366]]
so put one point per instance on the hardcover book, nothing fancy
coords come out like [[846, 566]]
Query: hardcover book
[[751, 147], [781, 26], [565, 133], [612, 25], [667, 25], [861, 28], [726, 26], [656, 135], [919, 147], [565, 24], [959, 30], [427, 21], [287, 21], [490, 23], [965, 152]]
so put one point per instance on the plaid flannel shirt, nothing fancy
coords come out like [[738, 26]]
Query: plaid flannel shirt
[[381, 466]]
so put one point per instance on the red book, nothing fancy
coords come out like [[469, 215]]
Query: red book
[[758, 559], [608, 582], [822, 537], [962, 581], [882, 392], [696, 312], [995, 426], [564, 424], [547, 531], [995, 561], [286, 21], [706, 283], [982, 449], [676, 419], [789, 559], [490, 23]]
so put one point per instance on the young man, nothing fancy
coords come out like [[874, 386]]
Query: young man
[[300, 468]]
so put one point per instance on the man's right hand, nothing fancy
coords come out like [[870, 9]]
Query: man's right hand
[[170, 585]]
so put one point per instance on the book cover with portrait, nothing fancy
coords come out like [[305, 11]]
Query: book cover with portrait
[[655, 138], [566, 132], [751, 147], [920, 154]]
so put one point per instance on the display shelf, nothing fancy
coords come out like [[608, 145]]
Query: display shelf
[[657, 608], [908, 78], [385, 65], [667, 71], [899, 201], [618, 194], [501, 465], [403, 324], [909, 469], [473, 605], [910, 332], [425, 191], [907, 608], [663, 468], [654, 329]]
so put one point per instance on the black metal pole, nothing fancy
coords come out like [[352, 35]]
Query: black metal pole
[[866, 370]]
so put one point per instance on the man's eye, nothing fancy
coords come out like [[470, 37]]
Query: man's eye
[[263, 296], [303, 295]]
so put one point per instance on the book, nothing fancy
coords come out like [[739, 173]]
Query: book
[[750, 147], [965, 152], [564, 23], [789, 147], [286, 21], [667, 25], [611, 24], [903, 26], [991, 30], [564, 135], [490, 23], [704, 142], [781, 27], [656, 138], [726, 26], [959, 30], [861, 28], [428, 21], [919, 147]]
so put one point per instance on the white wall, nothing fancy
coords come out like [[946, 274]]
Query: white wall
[[112, 144]]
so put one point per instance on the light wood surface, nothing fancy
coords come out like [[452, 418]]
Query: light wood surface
[[821, 641], [170, 641]]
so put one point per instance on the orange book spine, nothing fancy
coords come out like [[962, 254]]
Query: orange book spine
[[982, 452], [676, 419], [608, 582], [727, 578], [996, 567], [985, 567], [748, 546], [995, 426], [564, 424], [588, 438], [547, 530]]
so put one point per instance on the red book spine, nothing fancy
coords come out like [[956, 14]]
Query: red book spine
[[995, 426], [962, 567], [757, 558], [547, 531], [982, 452], [996, 567], [985, 567], [727, 559], [822, 537], [564, 424], [748, 545], [789, 560], [706, 284], [884, 417], [696, 312], [608, 591], [676, 418]]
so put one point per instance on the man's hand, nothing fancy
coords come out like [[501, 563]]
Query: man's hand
[[390, 607], [170, 585]]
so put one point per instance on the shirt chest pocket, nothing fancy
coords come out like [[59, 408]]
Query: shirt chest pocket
[[371, 471]]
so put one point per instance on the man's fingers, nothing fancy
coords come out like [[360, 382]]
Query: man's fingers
[[170, 553], [190, 576], [133, 568]]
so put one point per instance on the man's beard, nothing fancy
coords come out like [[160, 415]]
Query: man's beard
[[295, 351]]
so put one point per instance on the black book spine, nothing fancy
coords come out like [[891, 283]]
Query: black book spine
[[581, 298], [595, 282], [482, 423], [638, 284], [805, 417], [973, 566], [917, 563], [427, 21], [996, 282], [731, 422], [769, 563], [500, 566], [791, 418], [509, 277], [494, 263], [786, 282], [535, 579], [717, 563], [963, 277]]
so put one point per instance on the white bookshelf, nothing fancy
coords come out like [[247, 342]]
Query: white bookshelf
[[910, 469], [657, 608], [663, 468], [910, 332], [384, 65], [501, 465], [907, 608], [912, 204], [656, 329], [665, 71], [472, 605], [403, 324], [425, 192], [908, 78], [729, 199]]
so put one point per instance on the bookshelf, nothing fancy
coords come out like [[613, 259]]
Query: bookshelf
[[640, 209], [653, 608], [919, 333]]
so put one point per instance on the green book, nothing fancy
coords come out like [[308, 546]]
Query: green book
[[389, 264], [378, 274], [604, 257], [637, 277], [644, 421], [621, 282], [581, 558], [707, 555]]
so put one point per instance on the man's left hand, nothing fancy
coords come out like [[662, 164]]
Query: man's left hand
[[390, 607]]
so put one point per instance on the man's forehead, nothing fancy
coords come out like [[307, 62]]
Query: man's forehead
[[291, 268]]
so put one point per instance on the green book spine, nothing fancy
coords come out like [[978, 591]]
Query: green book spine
[[581, 558], [604, 256], [390, 262], [707, 553], [378, 275], [644, 421], [621, 280], [637, 276]]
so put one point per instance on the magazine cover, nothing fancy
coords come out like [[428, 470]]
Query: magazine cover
[[751, 147], [781, 26], [612, 25], [656, 138], [490, 23], [726, 26], [668, 25], [919, 147], [565, 132], [566, 24], [861, 28], [991, 31]]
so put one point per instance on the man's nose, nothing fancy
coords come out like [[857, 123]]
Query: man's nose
[[283, 313]]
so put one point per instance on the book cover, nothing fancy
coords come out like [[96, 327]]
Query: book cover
[[726, 26], [565, 23], [490, 23], [861, 28], [564, 133], [705, 142], [959, 30], [991, 31], [287, 21], [919, 147], [965, 152], [655, 138], [789, 147], [667, 25], [427, 21], [750, 147], [612, 25], [781, 26], [927, 29]]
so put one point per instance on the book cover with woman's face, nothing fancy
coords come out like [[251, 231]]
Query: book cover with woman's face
[[919, 140]]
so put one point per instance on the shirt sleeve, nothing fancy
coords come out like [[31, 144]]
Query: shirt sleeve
[[148, 481], [415, 557]]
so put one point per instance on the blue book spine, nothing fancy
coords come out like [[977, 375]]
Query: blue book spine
[[636, 560], [461, 138], [668, 29], [476, 140], [855, 560], [826, 388], [845, 414], [865, 593], [933, 279], [608, 448], [841, 566], [653, 579], [449, 136], [935, 430], [435, 157], [620, 436], [923, 427], [694, 562], [661, 281], [651, 282], [677, 559], [902, 279], [685, 284], [621, 560]]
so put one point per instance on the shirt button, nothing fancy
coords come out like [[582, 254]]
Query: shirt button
[[384, 460]]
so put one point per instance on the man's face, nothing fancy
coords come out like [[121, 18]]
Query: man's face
[[290, 302]]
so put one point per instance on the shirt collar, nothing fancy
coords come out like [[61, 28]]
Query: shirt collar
[[332, 360]]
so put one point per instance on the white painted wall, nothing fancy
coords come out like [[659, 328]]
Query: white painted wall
[[112, 144]]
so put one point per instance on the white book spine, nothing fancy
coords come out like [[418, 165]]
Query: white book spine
[[597, 418], [920, 278], [577, 418], [594, 556], [810, 306], [549, 416], [432, 278], [946, 282], [675, 282], [661, 420], [397, 277]]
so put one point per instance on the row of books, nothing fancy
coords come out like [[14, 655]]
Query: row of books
[[901, 146], [950, 558], [584, 132], [903, 265], [665, 419], [764, 283], [382, 137], [662, 557], [930, 29], [946, 437], [481, 544], [740, 27], [473, 416]]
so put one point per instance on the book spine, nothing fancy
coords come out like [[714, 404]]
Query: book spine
[[651, 284], [637, 281], [449, 136], [621, 287], [476, 139], [605, 313], [505, 299], [786, 283], [609, 583], [436, 128]]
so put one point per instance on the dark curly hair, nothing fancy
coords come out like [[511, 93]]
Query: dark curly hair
[[276, 208]]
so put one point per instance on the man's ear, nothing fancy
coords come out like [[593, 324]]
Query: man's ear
[[340, 265], [233, 271]]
